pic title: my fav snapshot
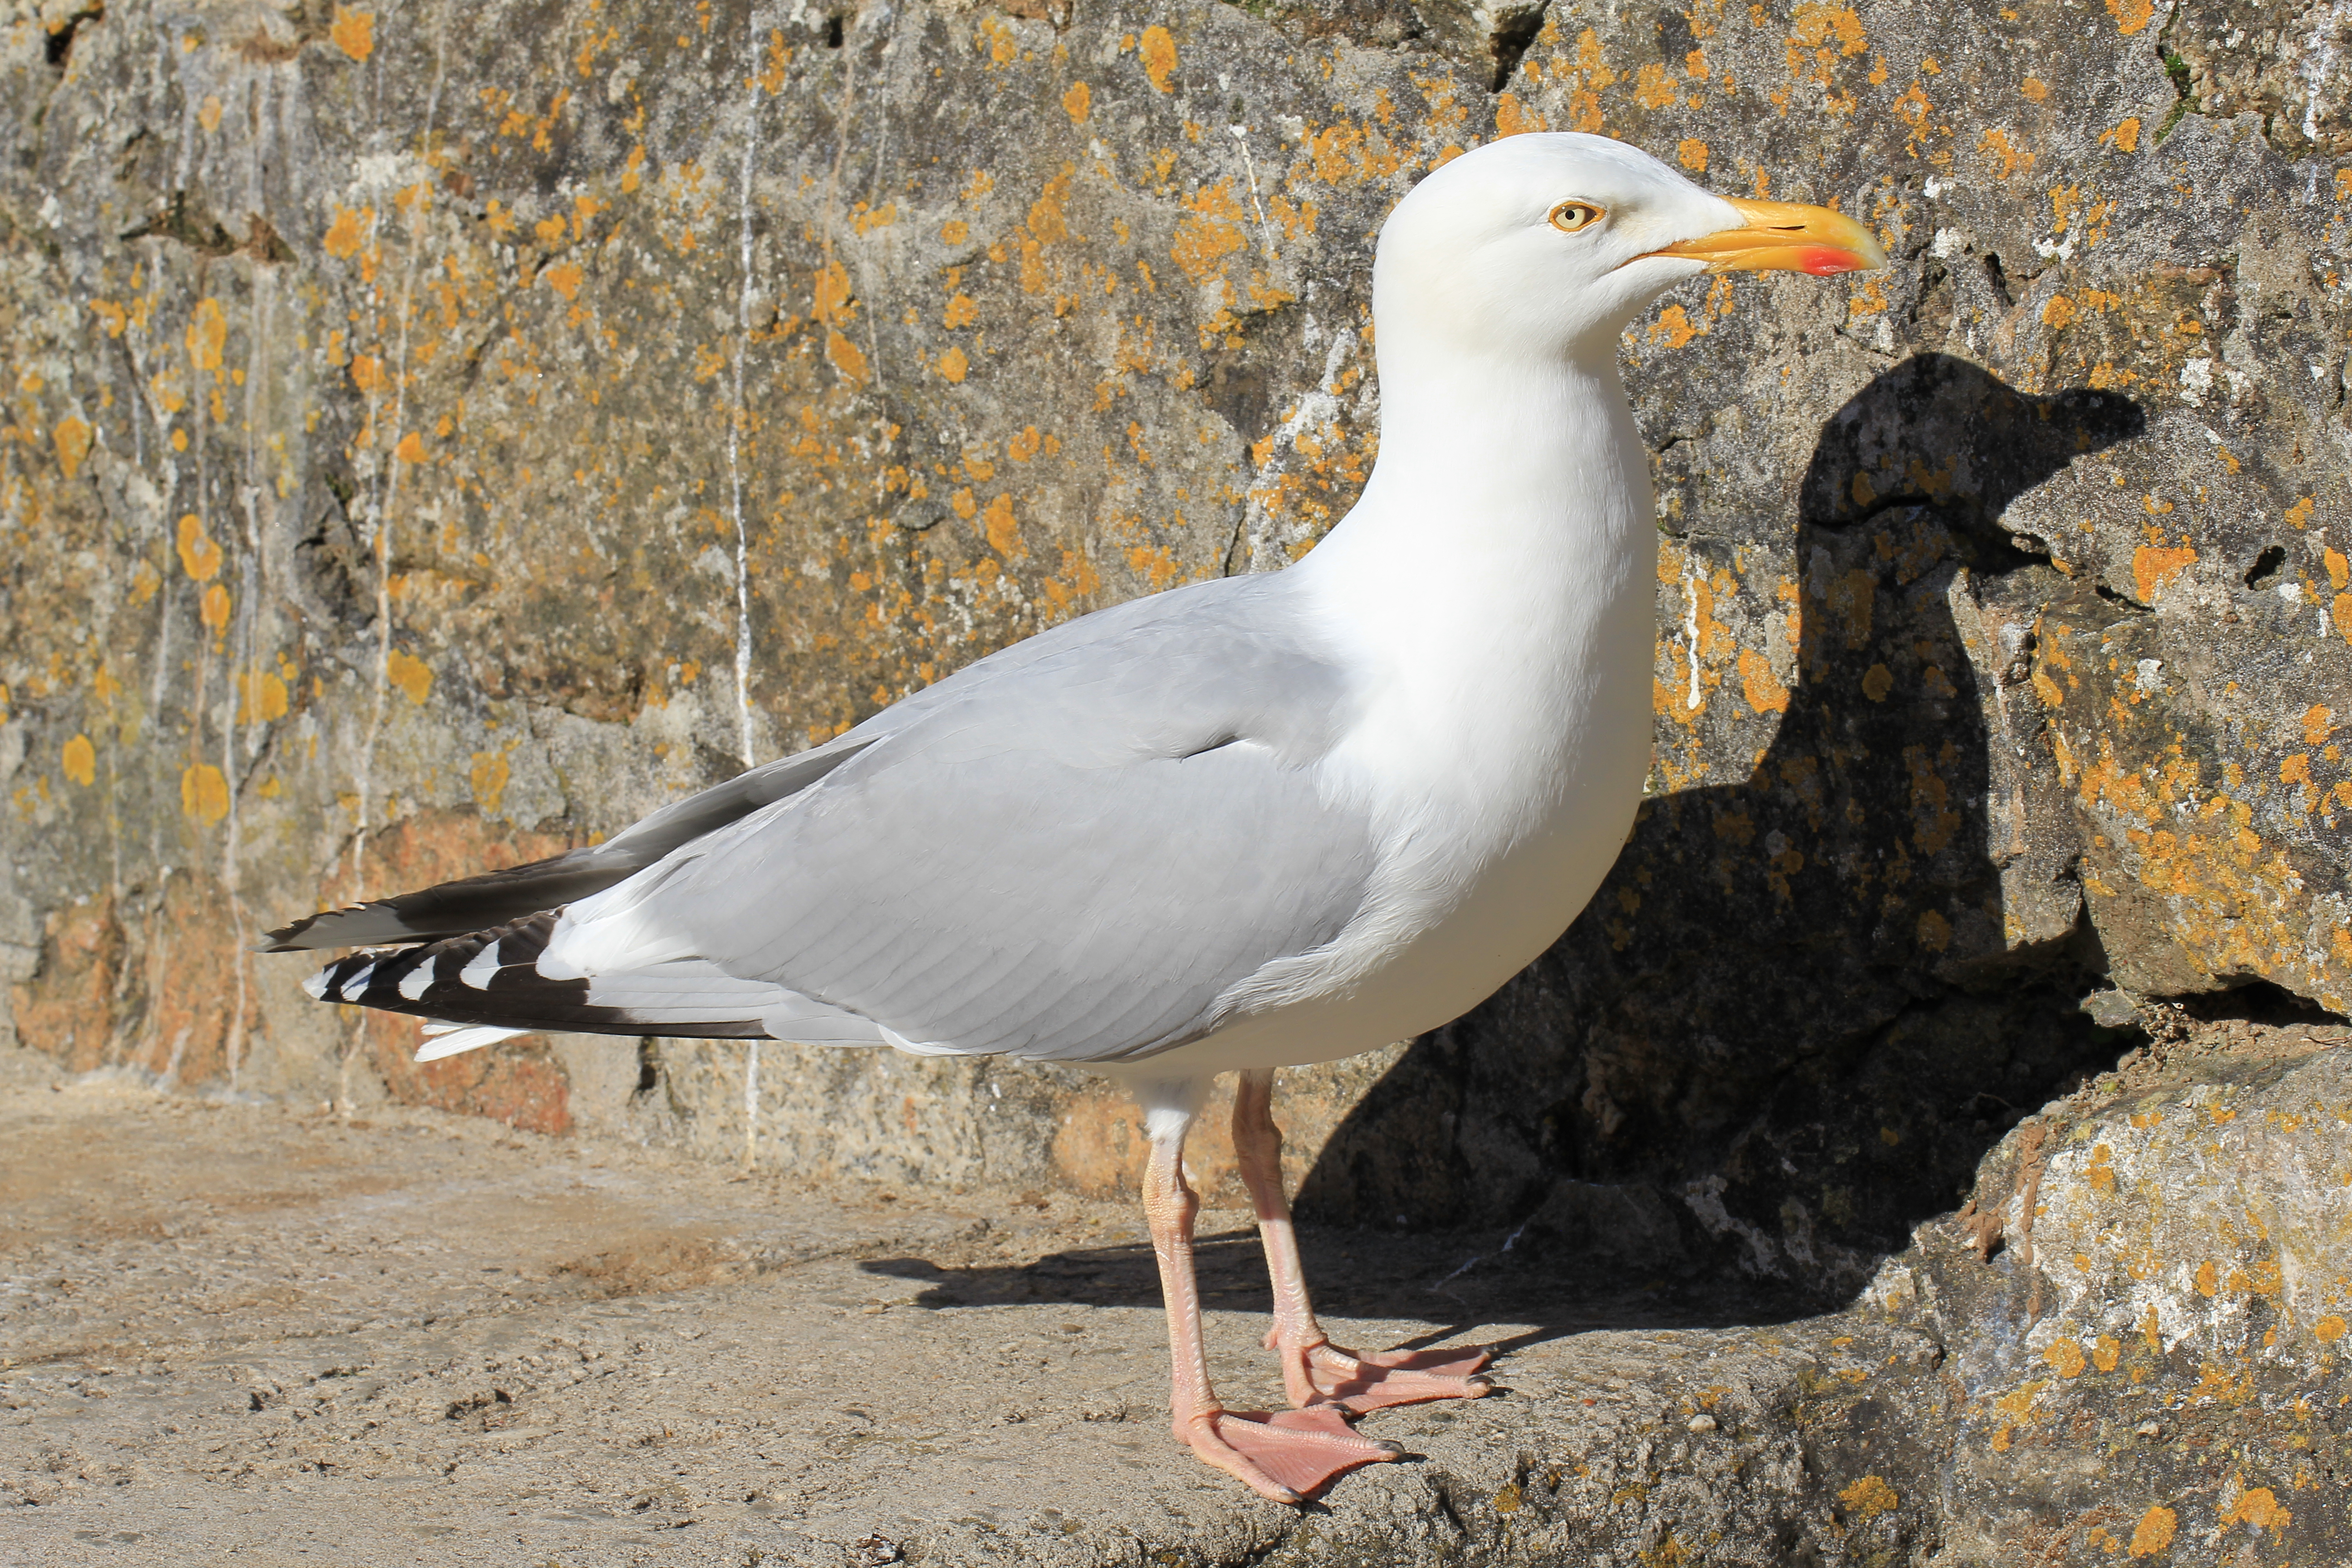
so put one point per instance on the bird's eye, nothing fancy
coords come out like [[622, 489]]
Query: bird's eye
[[1570, 216]]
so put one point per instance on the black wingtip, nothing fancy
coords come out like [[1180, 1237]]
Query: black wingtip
[[282, 940]]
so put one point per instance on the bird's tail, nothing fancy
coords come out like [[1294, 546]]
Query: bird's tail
[[487, 987]]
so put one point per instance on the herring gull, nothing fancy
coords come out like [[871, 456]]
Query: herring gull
[[1252, 823]]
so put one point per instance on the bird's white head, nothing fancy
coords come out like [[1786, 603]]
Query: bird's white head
[[1548, 245]]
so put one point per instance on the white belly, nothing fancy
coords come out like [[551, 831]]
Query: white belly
[[1502, 924]]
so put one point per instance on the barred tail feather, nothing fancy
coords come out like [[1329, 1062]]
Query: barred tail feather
[[485, 986]]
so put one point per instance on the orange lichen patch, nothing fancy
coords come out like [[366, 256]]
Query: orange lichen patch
[[348, 232], [1157, 49], [1674, 327], [2124, 138], [1690, 152], [1998, 147], [1513, 117], [1868, 1498], [1876, 682], [2034, 89], [2153, 566], [1762, 688], [489, 777], [2156, 1527], [207, 334], [2329, 1329], [2299, 514], [1343, 154], [411, 448], [203, 794], [1003, 531], [367, 374], [1818, 25], [79, 760], [410, 675], [565, 277], [1078, 102], [2259, 1507], [1653, 89], [261, 697], [952, 365], [846, 356], [1211, 230], [212, 609], [2209, 1278], [2106, 1353], [353, 32], [72, 438], [1047, 224], [1591, 76], [1936, 823], [2065, 1357], [2131, 16], [2101, 1172]]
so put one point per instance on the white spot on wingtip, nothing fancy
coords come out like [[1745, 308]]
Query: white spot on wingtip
[[413, 984], [485, 964], [315, 983]]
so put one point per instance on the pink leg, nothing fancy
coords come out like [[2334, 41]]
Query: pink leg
[[1315, 1372], [1285, 1456]]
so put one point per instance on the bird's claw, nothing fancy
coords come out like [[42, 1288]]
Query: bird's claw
[[1318, 1374], [1286, 1456]]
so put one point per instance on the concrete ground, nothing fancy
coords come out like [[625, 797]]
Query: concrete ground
[[240, 1333]]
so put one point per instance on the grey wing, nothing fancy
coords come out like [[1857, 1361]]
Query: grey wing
[[1071, 862], [495, 898], [472, 904]]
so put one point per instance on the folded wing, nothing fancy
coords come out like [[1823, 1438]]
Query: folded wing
[[1072, 857]]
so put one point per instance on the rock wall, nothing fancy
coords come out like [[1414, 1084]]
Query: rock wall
[[438, 435]]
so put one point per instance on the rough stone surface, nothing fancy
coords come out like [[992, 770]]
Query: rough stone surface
[[421, 453], [238, 1328]]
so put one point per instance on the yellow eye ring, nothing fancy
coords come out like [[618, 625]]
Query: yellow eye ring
[[1569, 217]]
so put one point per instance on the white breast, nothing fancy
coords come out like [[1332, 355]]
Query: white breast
[[1504, 735]]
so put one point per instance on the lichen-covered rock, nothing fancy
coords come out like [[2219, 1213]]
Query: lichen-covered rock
[[2153, 1360], [421, 453]]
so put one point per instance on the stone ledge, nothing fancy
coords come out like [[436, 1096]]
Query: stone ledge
[[242, 1329]]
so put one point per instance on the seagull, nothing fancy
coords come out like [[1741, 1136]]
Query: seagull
[[1258, 822]]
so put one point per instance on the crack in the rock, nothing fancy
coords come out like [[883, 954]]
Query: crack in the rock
[[1514, 34], [184, 220], [57, 47]]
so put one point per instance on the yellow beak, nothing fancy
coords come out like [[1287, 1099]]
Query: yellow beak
[[1785, 237]]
